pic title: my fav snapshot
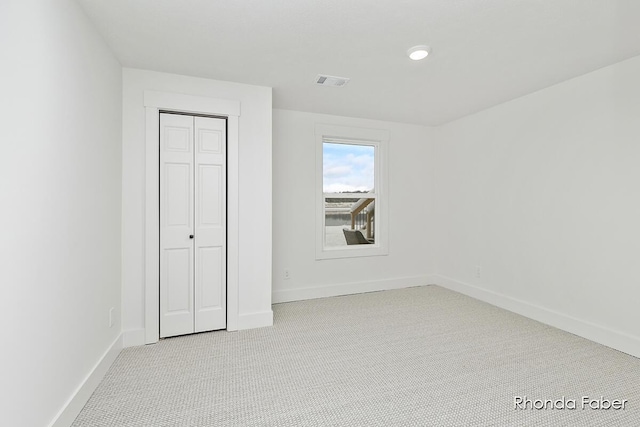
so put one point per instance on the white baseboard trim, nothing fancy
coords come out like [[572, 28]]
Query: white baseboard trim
[[602, 335], [255, 320], [133, 337], [288, 295], [81, 395]]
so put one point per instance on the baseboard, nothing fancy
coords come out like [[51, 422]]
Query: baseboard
[[602, 335], [255, 320], [81, 395], [288, 295], [133, 337]]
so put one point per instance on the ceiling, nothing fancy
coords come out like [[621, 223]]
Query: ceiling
[[484, 52]]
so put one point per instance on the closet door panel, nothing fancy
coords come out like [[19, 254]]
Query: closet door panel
[[178, 281], [176, 225], [210, 224], [210, 261]]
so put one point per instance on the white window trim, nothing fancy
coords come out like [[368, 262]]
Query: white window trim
[[350, 135]]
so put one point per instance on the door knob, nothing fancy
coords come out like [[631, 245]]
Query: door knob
[[191, 236]]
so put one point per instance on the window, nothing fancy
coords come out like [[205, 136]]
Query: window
[[351, 181]]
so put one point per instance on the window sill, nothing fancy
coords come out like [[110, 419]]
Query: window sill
[[354, 251]]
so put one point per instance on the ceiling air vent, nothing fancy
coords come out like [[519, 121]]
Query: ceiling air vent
[[334, 81]]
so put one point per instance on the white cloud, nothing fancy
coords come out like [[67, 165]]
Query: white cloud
[[336, 171], [347, 168]]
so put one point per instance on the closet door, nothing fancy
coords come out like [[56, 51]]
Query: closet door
[[210, 224], [192, 224], [176, 225]]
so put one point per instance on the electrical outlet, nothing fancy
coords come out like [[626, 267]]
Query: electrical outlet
[[478, 271], [287, 274], [111, 317]]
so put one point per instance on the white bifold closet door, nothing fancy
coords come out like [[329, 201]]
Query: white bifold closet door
[[192, 224]]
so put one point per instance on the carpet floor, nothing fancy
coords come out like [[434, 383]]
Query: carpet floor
[[421, 356]]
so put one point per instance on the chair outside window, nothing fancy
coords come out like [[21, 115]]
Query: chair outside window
[[355, 237]]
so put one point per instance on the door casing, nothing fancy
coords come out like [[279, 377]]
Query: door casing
[[154, 102]]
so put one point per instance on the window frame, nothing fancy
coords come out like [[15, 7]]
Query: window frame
[[356, 136]]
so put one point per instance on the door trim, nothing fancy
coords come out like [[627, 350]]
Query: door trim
[[154, 102]]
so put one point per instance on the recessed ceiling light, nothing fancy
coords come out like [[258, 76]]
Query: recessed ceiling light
[[418, 52]]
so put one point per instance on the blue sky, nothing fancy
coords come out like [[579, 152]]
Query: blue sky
[[347, 167]]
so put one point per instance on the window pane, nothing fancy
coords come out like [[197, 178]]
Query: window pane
[[349, 221], [347, 168]]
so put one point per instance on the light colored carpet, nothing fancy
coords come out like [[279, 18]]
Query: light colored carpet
[[422, 356]]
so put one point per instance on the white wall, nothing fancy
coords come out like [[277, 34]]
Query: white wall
[[543, 193], [410, 192], [254, 183], [60, 172]]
